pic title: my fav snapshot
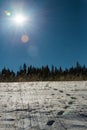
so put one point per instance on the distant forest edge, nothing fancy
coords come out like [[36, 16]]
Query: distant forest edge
[[44, 73]]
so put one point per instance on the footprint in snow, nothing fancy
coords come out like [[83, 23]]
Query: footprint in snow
[[49, 123], [60, 113]]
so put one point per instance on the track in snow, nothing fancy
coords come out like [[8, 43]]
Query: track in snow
[[43, 106]]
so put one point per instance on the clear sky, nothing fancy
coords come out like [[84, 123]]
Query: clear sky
[[54, 32]]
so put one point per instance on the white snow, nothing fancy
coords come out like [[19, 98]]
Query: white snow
[[43, 106]]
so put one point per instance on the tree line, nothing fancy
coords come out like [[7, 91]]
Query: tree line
[[44, 73]]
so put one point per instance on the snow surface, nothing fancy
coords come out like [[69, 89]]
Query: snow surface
[[43, 106]]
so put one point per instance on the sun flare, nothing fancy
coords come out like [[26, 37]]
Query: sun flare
[[19, 19]]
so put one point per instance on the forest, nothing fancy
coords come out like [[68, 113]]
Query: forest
[[44, 73]]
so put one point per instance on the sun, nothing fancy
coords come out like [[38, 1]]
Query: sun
[[19, 19]]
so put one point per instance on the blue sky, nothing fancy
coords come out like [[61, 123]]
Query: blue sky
[[57, 32]]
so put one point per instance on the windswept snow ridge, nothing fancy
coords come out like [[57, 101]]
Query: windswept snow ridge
[[43, 106]]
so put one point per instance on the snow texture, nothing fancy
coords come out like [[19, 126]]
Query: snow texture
[[43, 106]]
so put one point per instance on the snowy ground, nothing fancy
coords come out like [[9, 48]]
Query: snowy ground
[[43, 106]]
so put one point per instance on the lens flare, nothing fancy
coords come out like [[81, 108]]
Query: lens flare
[[8, 13], [24, 38]]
